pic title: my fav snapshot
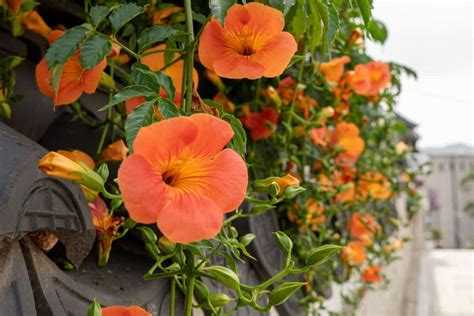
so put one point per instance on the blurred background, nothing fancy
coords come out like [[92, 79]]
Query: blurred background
[[435, 274]]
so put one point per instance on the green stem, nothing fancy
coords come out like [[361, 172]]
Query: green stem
[[190, 276], [275, 278], [173, 291], [105, 129], [128, 50], [189, 55]]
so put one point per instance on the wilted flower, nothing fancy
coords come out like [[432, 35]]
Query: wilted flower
[[35, 23]]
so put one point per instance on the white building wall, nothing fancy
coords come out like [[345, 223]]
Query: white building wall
[[448, 199]]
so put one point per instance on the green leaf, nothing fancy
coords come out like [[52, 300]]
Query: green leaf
[[247, 239], [283, 5], [239, 141], [98, 13], [224, 275], [57, 72], [219, 8], [378, 31], [11, 62], [94, 309], [140, 117], [153, 35], [128, 93], [5, 110], [316, 29], [332, 26], [94, 50], [320, 255], [167, 84], [296, 19], [283, 292], [365, 7], [123, 14], [284, 242], [65, 46], [292, 191], [148, 235], [143, 76], [167, 108]]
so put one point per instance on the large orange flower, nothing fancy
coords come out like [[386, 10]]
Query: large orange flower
[[354, 253], [181, 178], [124, 311], [363, 227], [74, 79], [334, 69], [251, 44], [370, 78]]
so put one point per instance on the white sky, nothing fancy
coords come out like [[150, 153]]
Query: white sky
[[434, 37]]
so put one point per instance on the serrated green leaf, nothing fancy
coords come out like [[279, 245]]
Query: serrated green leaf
[[143, 76], [65, 46], [365, 7], [297, 18], [332, 26], [57, 72], [219, 8], [167, 84], [97, 14], [167, 108], [378, 31], [316, 29], [123, 14], [283, 5], [140, 117], [153, 35], [283, 292], [94, 50], [128, 93], [239, 141]]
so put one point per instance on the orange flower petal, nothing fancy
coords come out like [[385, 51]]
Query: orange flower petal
[[124, 311], [227, 180], [276, 54], [79, 156], [91, 77], [210, 43], [235, 66], [142, 189], [165, 140], [213, 134], [43, 78], [189, 217], [255, 18]]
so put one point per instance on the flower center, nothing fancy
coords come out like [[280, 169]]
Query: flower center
[[183, 173]]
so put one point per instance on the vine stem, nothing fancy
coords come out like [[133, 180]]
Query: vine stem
[[173, 291], [128, 50], [189, 55], [188, 309]]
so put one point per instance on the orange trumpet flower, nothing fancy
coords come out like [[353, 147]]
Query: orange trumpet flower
[[334, 69], [346, 135], [371, 274], [35, 23], [181, 179], [363, 227], [258, 123], [370, 78], [354, 253], [74, 81], [251, 44]]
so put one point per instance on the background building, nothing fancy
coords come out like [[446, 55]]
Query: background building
[[448, 198]]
